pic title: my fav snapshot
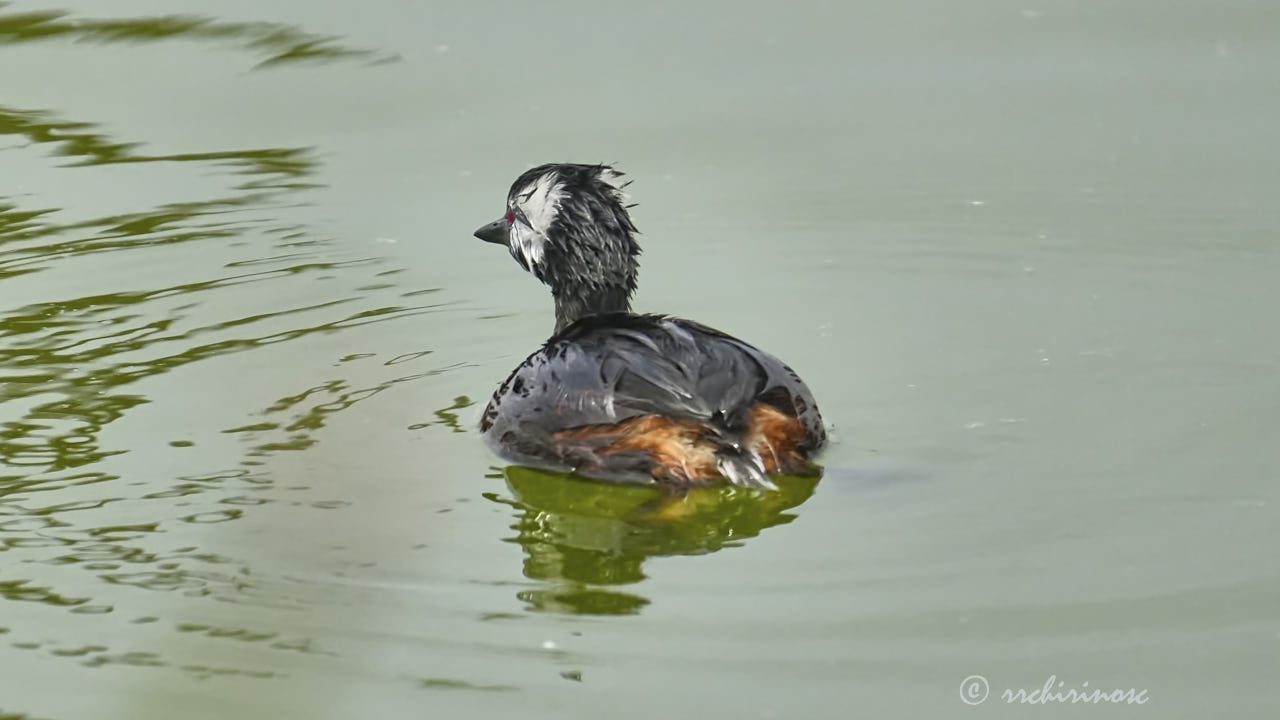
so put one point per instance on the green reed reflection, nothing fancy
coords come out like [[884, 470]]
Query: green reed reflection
[[205, 252], [77, 139], [311, 409], [72, 361], [55, 350], [280, 42], [585, 539]]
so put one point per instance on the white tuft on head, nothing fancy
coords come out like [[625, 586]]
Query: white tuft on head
[[538, 203], [613, 178]]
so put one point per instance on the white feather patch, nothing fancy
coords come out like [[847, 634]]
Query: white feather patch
[[540, 203], [613, 179]]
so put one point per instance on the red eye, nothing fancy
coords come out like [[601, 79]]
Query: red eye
[[511, 217]]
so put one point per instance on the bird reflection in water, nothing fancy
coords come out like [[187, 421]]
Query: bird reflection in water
[[583, 540]]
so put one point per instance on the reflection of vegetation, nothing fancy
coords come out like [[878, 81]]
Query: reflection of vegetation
[[52, 347], [447, 416], [313, 406], [281, 43], [586, 538], [271, 172], [72, 361], [96, 305], [62, 350], [282, 166], [453, 684], [100, 655]]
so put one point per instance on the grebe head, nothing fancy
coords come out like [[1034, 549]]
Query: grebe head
[[568, 225]]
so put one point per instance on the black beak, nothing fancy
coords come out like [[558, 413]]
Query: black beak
[[494, 232]]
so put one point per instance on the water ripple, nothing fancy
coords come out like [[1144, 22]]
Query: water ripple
[[280, 43]]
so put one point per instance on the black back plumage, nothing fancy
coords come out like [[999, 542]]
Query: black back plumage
[[607, 368]]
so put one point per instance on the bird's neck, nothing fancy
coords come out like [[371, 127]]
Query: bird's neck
[[576, 301]]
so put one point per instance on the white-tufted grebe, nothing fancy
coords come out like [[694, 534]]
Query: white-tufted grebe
[[632, 398]]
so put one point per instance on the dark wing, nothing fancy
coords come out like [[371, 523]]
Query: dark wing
[[608, 368]]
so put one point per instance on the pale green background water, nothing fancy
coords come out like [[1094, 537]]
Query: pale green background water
[[1024, 253]]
